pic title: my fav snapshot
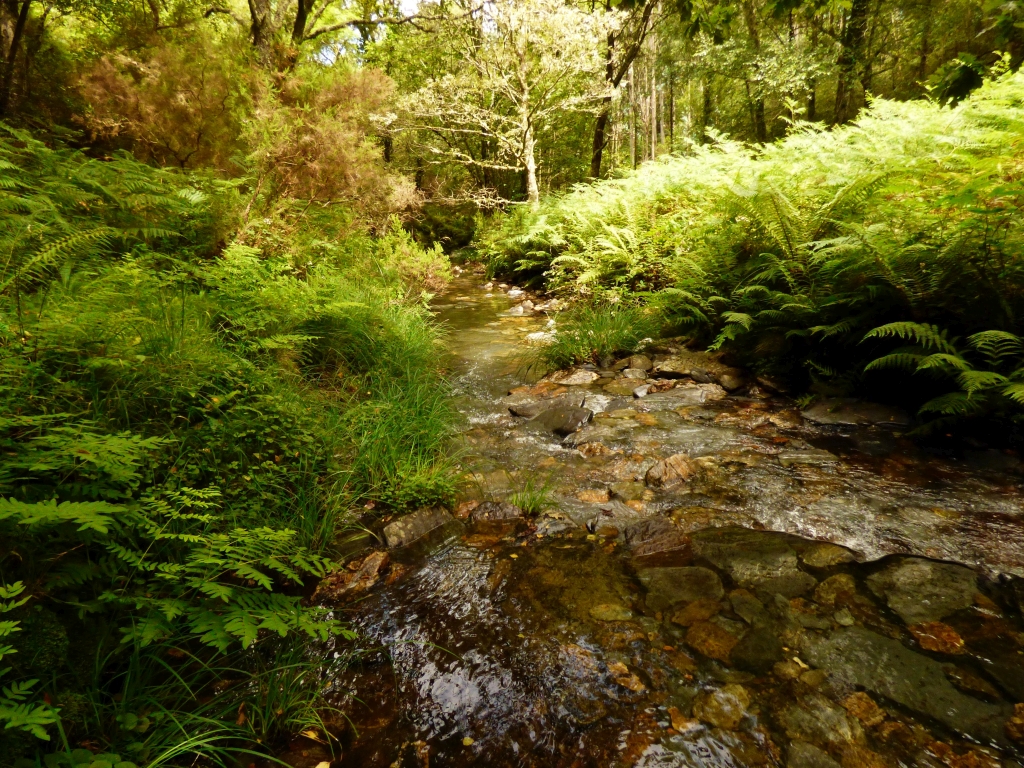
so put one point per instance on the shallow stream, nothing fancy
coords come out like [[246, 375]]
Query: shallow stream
[[800, 600]]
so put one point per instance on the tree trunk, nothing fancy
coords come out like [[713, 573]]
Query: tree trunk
[[849, 61], [757, 100], [302, 9], [530, 161], [614, 78], [12, 58], [259, 28], [705, 108]]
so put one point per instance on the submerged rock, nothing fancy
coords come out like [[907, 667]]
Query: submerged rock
[[654, 535], [414, 526], [803, 755], [921, 590], [530, 409], [759, 560], [758, 651], [814, 718], [723, 708], [669, 586], [672, 472], [859, 657]]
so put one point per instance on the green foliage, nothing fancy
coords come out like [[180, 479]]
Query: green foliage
[[17, 709], [788, 257], [532, 493], [184, 422], [593, 331]]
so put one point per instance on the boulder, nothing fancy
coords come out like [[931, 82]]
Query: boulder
[[668, 586], [672, 472], [530, 409], [564, 419], [414, 526], [731, 381], [857, 657], [922, 590]]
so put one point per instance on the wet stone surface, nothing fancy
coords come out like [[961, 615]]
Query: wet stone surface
[[809, 593]]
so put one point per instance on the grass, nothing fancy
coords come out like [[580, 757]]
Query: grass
[[592, 332]]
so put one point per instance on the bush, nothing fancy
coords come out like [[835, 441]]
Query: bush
[[592, 332]]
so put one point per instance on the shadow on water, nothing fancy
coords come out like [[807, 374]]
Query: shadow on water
[[803, 601]]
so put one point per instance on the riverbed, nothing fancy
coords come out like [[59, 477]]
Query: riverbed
[[788, 593]]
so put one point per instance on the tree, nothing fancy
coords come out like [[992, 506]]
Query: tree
[[527, 62]]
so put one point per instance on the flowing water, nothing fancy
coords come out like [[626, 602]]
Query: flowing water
[[715, 623]]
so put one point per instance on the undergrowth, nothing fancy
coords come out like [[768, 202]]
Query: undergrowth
[[805, 257], [188, 410]]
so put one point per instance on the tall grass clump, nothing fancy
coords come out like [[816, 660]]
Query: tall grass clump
[[592, 331], [187, 411], [790, 255]]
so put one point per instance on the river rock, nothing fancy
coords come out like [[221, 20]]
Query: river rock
[[356, 578], [668, 586], [635, 373], [848, 412], [563, 420], [858, 657], [755, 559], [640, 362], [749, 608], [731, 381], [672, 472], [826, 555], [758, 651], [937, 637], [723, 708], [654, 535], [711, 640], [921, 590], [579, 378], [592, 433], [803, 755], [530, 409], [814, 718], [834, 586], [696, 612], [414, 526], [496, 511], [611, 612]]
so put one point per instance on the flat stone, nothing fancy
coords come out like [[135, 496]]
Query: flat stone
[[592, 433], [628, 490], [711, 640], [530, 409], [672, 472], [826, 556], [654, 535], [749, 608], [938, 637], [696, 612], [593, 495], [496, 511], [858, 657], [414, 526], [724, 707], [809, 457], [803, 755], [921, 590], [621, 387], [635, 373], [668, 586], [611, 612], [579, 378], [847, 412]]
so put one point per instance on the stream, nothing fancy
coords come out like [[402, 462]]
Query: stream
[[782, 591]]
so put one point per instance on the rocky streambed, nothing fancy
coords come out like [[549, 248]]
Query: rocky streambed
[[660, 562]]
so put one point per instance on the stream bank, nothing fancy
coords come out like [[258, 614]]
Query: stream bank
[[713, 580]]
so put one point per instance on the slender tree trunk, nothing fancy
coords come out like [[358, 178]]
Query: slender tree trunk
[[302, 9], [705, 109], [12, 58], [671, 111], [614, 78], [530, 161], [849, 61], [756, 100], [654, 116]]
